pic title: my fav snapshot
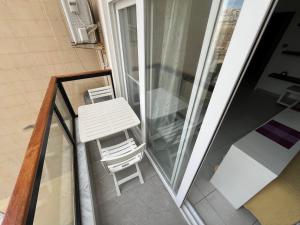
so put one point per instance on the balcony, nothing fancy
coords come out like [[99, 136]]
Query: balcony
[[62, 181]]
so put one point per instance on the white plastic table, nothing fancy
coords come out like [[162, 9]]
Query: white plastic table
[[102, 119]]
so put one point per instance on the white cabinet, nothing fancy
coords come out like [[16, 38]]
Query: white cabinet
[[254, 161]]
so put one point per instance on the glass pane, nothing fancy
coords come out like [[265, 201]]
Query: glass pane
[[77, 90], [226, 21], [128, 28], [55, 203], [231, 185], [174, 34], [63, 109]]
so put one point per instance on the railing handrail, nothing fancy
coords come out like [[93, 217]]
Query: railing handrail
[[18, 208], [81, 75]]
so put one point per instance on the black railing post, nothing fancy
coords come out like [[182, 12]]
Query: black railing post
[[66, 99]]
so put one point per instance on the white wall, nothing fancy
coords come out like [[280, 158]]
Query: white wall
[[281, 62]]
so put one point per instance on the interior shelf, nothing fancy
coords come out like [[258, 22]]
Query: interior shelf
[[285, 78], [289, 52]]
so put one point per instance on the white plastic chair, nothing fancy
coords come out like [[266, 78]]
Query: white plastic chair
[[101, 92], [121, 156]]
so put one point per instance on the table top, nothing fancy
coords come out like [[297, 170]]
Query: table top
[[105, 118], [163, 103], [268, 153]]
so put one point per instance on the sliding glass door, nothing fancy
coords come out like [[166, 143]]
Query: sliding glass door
[[186, 44], [180, 71], [174, 36], [127, 26]]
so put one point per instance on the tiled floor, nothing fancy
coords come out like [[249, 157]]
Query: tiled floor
[[139, 204], [248, 111]]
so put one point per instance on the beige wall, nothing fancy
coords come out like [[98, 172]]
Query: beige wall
[[34, 45]]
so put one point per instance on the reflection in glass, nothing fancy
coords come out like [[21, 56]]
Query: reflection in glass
[[174, 33], [226, 21], [202, 196], [76, 90], [128, 28], [176, 102], [55, 203]]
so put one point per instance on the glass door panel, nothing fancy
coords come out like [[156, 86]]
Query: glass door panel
[[222, 33], [186, 43], [212, 191], [174, 36], [129, 47]]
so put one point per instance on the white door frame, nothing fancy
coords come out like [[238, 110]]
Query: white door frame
[[118, 5], [247, 29], [110, 20]]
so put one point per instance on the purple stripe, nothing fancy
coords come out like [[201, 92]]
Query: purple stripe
[[279, 140], [284, 128], [279, 133]]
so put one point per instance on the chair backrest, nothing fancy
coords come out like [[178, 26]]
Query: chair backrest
[[126, 156], [100, 93]]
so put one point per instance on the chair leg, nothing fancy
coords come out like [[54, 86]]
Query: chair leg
[[139, 173], [116, 185], [126, 134]]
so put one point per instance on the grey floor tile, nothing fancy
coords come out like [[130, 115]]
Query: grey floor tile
[[129, 185], [155, 197], [208, 214], [155, 180], [102, 196], [139, 204], [106, 182], [135, 210], [169, 218], [116, 220], [204, 185], [146, 168], [108, 208], [97, 170], [104, 189], [195, 195], [202, 180], [257, 223], [228, 214]]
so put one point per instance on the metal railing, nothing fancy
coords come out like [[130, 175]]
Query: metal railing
[[23, 202]]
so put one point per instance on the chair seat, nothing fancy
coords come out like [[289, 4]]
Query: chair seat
[[118, 149], [123, 165]]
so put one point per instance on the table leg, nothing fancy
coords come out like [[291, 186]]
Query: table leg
[[100, 151]]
